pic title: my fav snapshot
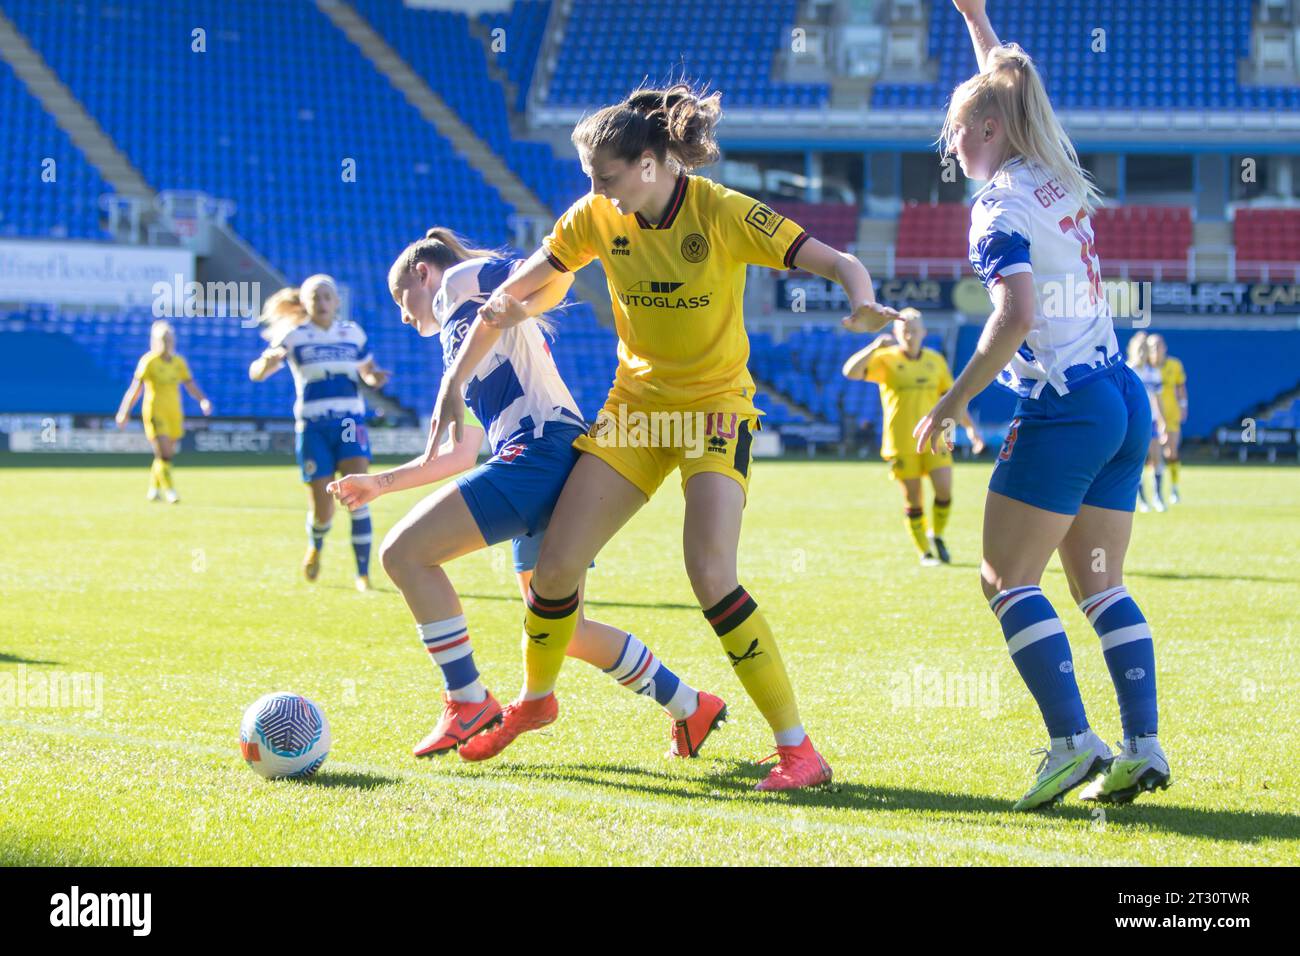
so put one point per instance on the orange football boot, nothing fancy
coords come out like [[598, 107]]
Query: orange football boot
[[798, 767], [460, 721], [518, 718], [688, 735]]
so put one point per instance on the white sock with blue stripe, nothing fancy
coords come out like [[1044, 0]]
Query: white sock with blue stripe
[[641, 672], [448, 644]]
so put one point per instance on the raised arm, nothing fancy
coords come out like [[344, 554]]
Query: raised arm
[[980, 29], [820, 259], [856, 366]]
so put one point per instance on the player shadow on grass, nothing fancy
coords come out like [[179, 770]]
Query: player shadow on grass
[[17, 659], [735, 779]]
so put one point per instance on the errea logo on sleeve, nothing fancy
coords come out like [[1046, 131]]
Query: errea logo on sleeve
[[75, 908]]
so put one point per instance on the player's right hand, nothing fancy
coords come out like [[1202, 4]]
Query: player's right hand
[[353, 491]]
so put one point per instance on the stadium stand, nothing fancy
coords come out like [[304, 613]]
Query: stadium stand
[[65, 208], [523, 24], [439, 45], [1144, 242], [1267, 243], [1207, 38], [730, 42], [276, 142]]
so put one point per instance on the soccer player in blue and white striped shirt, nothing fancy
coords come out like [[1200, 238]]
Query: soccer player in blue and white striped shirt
[[1066, 479], [329, 359]]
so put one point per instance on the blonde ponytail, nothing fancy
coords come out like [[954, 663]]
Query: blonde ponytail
[[1010, 88]]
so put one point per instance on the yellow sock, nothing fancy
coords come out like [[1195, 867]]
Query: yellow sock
[[548, 628], [749, 644], [916, 525], [155, 477], [166, 474], [941, 511], [1175, 466]]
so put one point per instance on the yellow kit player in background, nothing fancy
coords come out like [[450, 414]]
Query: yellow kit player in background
[[161, 373], [1173, 404], [911, 379]]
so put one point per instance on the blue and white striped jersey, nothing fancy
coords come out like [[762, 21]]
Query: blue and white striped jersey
[[324, 366], [1022, 220], [516, 389]]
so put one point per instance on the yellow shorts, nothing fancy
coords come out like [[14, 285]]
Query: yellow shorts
[[168, 426], [911, 464], [644, 445]]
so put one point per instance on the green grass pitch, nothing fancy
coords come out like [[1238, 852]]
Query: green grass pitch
[[186, 614]]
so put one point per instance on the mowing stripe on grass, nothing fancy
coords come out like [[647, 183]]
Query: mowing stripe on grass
[[784, 822]]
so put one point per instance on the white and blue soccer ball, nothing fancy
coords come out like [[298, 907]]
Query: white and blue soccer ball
[[284, 735]]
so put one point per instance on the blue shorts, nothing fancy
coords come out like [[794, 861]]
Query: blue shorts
[[1083, 448], [324, 442], [512, 494]]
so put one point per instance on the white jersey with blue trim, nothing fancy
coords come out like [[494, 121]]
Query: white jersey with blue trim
[[324, 365], [1151, 379], [1023, 220], [516, 389]]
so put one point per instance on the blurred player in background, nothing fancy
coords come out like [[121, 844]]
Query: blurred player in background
[[682, 352], [161, 373], [329, 359], [1066, 478], [1173, 406], [531, 420], [1139, 360], [911, 379]]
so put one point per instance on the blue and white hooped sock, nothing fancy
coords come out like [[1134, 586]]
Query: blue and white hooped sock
[[1041, 653], [361, 536], [1130, 656], [448, 644], [316, 532], [641, 672]]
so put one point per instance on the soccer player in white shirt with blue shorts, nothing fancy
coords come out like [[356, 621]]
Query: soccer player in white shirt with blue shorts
[[518, 397], [329, 359], [1066, 478]]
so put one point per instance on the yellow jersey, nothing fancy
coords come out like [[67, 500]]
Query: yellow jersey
[[1172, 375], [909, 387], [162, 380], [678, 288]]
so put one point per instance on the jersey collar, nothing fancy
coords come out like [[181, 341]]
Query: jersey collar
[[674, 207]]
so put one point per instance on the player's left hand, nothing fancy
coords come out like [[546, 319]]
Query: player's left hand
[[935, 430], [502, 311], [378, 377], [205, 407], [869, 317], [448, 419]]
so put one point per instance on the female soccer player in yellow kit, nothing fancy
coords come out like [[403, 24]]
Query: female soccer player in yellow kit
[[161, 373], [911, 379], [674, 248], [1173, 406]]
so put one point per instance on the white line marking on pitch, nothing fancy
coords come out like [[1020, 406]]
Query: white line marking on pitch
[[783, 822]]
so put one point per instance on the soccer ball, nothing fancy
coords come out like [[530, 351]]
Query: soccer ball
[[284, 735]]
